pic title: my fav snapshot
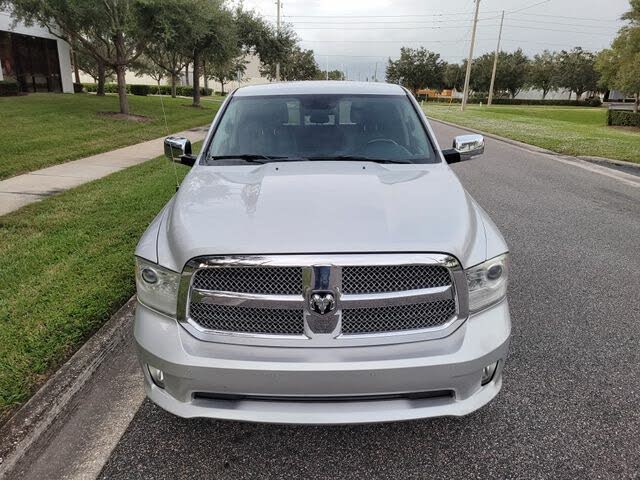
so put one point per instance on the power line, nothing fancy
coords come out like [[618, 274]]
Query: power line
[[387, 16], [526, 27], [563, 16], [527, 8]]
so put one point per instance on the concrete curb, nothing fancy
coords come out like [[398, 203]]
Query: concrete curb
[[29, 423], [619, 165]]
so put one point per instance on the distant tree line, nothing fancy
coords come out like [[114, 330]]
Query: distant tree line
[[573, 70], [164, 38], [577, 71]]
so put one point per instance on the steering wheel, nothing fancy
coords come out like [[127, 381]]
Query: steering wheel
[[382, 140]]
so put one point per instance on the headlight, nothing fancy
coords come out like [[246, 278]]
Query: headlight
[[487, 282], [157, 287]]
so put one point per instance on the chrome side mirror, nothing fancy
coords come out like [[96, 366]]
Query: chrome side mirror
[[179, 148], [469, 146], [175, 147]]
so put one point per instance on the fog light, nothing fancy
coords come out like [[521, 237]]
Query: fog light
[[488, 372], [157, 376]]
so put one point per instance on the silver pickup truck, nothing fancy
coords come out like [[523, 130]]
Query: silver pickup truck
[[321, 263]]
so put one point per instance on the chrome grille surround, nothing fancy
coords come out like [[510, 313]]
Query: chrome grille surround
[[425, 304]]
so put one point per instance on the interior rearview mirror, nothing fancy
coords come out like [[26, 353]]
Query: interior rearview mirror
[[464, 148], [179, 149]]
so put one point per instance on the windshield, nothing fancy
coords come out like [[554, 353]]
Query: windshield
[[321, 127]]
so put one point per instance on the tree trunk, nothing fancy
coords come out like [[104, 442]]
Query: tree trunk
[[544, 93], [173, 85], [186, 74], [76, 70], [204, 73], [196, 79], [101, 78], [122, 89], [120, 71], [636, 105], [222, 87]]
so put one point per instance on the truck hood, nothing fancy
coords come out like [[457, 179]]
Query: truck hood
[[320, 207]]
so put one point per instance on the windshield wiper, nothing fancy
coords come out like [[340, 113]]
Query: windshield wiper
[[248, 157], [361, 158], [257, 158]]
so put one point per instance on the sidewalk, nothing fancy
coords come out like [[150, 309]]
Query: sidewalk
[[21, 190]]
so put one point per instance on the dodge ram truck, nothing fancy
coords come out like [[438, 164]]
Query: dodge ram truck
[[321, 263]]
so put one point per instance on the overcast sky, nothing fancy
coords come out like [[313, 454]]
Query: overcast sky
[[355, 34]]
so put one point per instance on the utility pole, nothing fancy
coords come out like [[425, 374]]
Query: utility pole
[[495, 63], [327, 71], [375, 74], [465, 93], [278, 3]]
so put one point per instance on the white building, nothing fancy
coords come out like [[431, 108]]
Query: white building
[[251, 76], [34, 58]]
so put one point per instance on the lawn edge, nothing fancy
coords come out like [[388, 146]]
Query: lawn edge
[[32, 420], [607, 162]]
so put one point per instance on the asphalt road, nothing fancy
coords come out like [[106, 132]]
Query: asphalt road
[[570, 404]]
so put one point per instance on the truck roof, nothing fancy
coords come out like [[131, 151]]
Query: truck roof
[[323, 86]]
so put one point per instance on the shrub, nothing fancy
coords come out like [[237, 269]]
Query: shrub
[[8, 89], [623, 118], [78, 88], [593, 102], [141, 90], [181, 90]]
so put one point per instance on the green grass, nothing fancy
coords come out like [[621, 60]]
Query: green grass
[[40, 130], [568, 130], [66, 265]]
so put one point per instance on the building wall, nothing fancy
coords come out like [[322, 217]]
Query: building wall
[[64, 51], [251, 76]]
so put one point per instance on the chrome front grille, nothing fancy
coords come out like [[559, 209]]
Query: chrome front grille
[[392, 278], [260, 280], [268, 299], [248, 320], [361, 321]]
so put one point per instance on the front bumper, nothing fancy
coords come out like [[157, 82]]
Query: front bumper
[[452, 364]]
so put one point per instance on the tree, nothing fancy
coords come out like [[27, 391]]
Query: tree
[[298, 64], [113, 31], [168, 59], [542, 72], [619, 66], [210, 34], [145, 66], [255, 35], [510, 73], [94, 67], [226, 71], [416, 69], [577, 71], [333, 75], [512, 68], [454, 76]]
